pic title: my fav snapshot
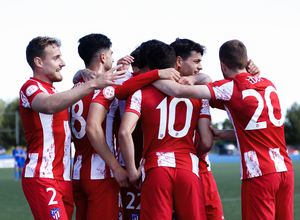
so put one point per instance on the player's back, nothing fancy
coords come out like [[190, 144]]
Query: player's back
[[78, 116], [168, 126], [254, 109]]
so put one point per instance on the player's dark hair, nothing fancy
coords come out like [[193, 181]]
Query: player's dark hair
[[92, 44], [184, 47], [143, 52], [135, 54], [161, 56], [233, 54], [36, 48]]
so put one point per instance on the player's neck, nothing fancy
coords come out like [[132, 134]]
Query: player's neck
[[233, 73], [41, 76], [97, 68]]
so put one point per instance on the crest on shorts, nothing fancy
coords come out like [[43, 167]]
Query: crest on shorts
[[55, 213], [135, 216]]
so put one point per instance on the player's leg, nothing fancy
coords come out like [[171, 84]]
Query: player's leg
[[285, 197], [157, 194], [19, 169], [16, 170], [213, 205], [67, 192], [80, 200], [103, 199], [258, 197], [44, 198], [188, 196]]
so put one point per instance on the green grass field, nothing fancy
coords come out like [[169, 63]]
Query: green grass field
[[13, 204]]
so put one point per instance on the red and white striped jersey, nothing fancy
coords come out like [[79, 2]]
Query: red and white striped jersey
[[168, 126], [48, 136], [87, 163], [253, 108]]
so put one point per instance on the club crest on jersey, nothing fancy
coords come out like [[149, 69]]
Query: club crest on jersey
[[135, 216], [55, 213], [109, 92], [31, 90]]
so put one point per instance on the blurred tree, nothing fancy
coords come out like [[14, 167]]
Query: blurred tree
[[8, 125], [227, 124], [292, 125], [2, 109]]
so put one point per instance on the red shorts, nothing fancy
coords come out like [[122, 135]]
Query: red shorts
[[96, 199], [48, 198], [165, 186], [131, 198], [268, 197], [213, 205]]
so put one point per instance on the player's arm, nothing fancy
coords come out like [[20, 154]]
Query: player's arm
[[128, 124], [206, 140], [223, 134], [198, 79], [51, 104], [85, 74], [202, 79], [94, 129], [135, 83], [175, 89]]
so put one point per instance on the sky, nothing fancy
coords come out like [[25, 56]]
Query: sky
[[270, 29]]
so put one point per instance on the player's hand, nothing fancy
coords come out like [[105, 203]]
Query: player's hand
[[252, 68], [135, 177], [216, 133], [125, 61], [107, 78], [186, 80], [169, 73], [121, 177]]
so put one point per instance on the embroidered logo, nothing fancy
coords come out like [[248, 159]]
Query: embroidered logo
[[109, 92], [55, 213], [31, 90], [135, 216]]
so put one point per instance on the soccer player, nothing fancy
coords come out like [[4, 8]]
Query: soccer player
[[131, 195], [95, 188], [188, 63], [17, 155], [46, 175], [23, 158], [253, 107], [170, 157]]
